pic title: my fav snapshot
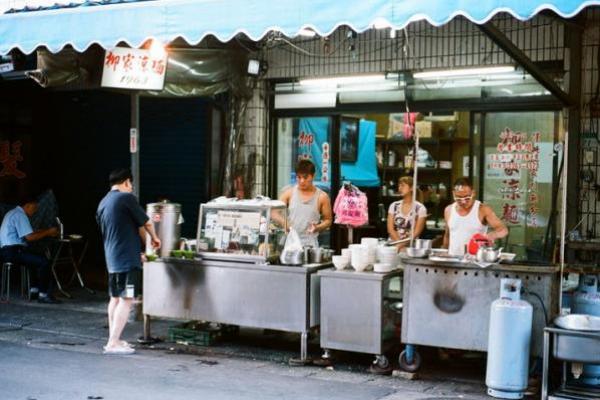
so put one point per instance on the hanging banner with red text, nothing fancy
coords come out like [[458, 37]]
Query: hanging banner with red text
[[133, 69], [313, 144]]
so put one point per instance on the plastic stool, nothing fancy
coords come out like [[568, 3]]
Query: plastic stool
[[5, 282]]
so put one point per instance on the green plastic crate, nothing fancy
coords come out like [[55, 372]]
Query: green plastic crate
[[201, 333]]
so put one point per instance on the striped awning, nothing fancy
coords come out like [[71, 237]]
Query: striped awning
[[106, 23]]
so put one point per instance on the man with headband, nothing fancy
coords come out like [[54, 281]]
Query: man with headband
[[467, 217]]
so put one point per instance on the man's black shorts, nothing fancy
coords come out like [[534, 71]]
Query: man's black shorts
[[125, 284]]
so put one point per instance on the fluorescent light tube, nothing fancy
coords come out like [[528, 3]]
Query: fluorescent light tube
[[341, 80], [464, 72]]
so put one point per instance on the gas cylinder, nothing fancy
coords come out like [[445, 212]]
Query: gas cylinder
[[587, 301], [511, 321]]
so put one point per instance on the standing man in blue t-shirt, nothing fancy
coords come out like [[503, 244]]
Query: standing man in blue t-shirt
[[15, 235], [124, 226]]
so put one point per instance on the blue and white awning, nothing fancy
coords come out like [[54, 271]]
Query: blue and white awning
[[192, 20]]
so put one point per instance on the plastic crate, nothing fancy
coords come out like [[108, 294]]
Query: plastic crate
[[201, 333]]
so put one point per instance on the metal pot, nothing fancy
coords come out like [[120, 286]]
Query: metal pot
[[306, 252], [423, 244], [166, 220], [293, 257], [315, 255], [327, 254], [487, 254], [417, 253]]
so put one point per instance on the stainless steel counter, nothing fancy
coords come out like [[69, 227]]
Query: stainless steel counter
[[447, 304], [355, 310], [276, 297]]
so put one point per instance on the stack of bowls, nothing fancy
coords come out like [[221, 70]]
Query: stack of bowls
[[347, 253], [387, 255], [359, 257], [371, 244]]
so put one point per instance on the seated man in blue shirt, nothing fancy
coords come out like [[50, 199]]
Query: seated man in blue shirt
[[15, 234]]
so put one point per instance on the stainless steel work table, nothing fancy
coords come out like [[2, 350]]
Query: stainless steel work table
[[265, 296], [447, 304], [357, 311]]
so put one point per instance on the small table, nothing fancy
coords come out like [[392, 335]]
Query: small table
[[69, 259]]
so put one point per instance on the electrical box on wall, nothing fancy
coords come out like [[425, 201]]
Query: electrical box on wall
[[589, 157]]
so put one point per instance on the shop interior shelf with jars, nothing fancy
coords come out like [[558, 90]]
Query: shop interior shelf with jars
[[443, 156]]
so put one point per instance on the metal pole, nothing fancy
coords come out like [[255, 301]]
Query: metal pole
[[134, 142], [563, 218], [415, 181]]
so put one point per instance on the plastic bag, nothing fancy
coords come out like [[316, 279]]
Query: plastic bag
[[351, 208], [293, 245]]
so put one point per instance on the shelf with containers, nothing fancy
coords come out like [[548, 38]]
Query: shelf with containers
[[443, 157]]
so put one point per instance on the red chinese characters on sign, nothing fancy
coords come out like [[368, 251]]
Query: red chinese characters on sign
[[10, 155], [133, 69], [325, 162], [517, 152], [511, 189], [129, 62], [510, 213], [305, 139]]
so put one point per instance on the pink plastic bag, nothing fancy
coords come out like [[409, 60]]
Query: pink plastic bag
[[351, 207]]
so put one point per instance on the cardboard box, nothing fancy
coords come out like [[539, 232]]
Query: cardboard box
[[424, 128]]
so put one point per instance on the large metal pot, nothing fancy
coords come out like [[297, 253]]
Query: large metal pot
[[166, 220]]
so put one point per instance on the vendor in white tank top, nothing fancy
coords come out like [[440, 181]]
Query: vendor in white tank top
[[309, 208], [466, 217]]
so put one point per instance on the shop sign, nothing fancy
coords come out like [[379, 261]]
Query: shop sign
[[10, 156], [516, 166], [133, 69]]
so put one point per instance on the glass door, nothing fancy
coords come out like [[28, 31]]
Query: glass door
[[518, 178]]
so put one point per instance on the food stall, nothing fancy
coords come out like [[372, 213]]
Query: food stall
[[234, 276], [457, 295]]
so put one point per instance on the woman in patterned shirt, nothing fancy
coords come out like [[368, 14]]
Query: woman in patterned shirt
[[402, 214]]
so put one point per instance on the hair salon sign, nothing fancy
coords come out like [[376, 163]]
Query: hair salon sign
[[133, 69]]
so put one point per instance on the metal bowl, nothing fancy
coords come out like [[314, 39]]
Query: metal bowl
[[423, 244], [417, 253], [578, 322]]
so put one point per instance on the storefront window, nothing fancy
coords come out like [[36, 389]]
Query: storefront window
[[518, 177]]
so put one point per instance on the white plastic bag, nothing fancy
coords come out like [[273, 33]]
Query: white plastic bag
[[293, 245]]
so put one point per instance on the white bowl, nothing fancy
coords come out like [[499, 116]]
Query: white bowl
[[346, 252], [388, 260], [360, 267], [382, 267], [340, 262], [507, 256], [368, 241]]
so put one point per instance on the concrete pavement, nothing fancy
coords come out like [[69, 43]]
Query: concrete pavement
[[54, 352]]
